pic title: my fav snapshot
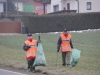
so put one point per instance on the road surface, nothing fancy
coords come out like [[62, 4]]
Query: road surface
[[7, 72]]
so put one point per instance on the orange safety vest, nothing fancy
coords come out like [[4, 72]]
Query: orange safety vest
[[31, 52], [65, 45]]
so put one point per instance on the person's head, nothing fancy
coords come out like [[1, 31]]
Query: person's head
[[65, 32], [29, 36]]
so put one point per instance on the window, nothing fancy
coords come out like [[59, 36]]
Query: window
[[56, 8], [88, 5]]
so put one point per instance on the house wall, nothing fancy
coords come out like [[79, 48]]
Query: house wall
[[20, 6], [38, 8], [95, 6], [29, 2], [55, 2], [1, 7], [62, 4], [2, 0], [74, 5], [48, 8], [29, 6]]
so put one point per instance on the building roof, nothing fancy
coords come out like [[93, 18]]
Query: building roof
[[2, 0], [19, 0], [44, 1]]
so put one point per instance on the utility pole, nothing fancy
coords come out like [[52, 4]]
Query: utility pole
[[44, 7], [78, 5], [17, 7], [6, 8]]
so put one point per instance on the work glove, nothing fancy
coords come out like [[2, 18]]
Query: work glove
[[57, 50], [72, 48], [29, 46], [39, 41]]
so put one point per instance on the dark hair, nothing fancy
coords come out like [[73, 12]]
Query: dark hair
[[29, 34], [65, 30]]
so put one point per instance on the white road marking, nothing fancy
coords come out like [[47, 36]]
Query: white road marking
[[12, 72]]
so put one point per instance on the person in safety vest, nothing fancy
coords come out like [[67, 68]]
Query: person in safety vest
[[30, 46], [65, 46]]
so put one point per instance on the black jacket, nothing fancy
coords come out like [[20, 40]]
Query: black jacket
[[59, 44]]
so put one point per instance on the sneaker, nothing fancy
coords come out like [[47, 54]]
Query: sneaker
[[33, 71], [63, 64], [29, 70]]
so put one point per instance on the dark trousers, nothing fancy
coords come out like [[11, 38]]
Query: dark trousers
[[30, 64], [66, 58]]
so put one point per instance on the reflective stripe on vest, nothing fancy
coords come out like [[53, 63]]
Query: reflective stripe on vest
[[31, 52], [65, 45]]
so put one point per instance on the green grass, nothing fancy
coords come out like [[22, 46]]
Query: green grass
[[11, 49]]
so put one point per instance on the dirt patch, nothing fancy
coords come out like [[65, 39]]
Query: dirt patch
[[39, 70], [17, 67]]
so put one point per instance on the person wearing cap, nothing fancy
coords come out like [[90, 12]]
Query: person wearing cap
[[64, 44], [30, 47]]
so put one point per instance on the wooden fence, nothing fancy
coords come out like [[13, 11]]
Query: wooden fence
[[10, 27]]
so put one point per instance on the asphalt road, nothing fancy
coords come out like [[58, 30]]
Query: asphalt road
[[7, 72]]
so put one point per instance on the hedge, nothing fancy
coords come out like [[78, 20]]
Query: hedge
[[56, 23]]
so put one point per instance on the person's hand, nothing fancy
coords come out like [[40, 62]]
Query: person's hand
[[29, 46], [57, 50], [39, 41]]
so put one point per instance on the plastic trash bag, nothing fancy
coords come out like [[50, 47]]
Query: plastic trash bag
[[75, 57], [40, 58]]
